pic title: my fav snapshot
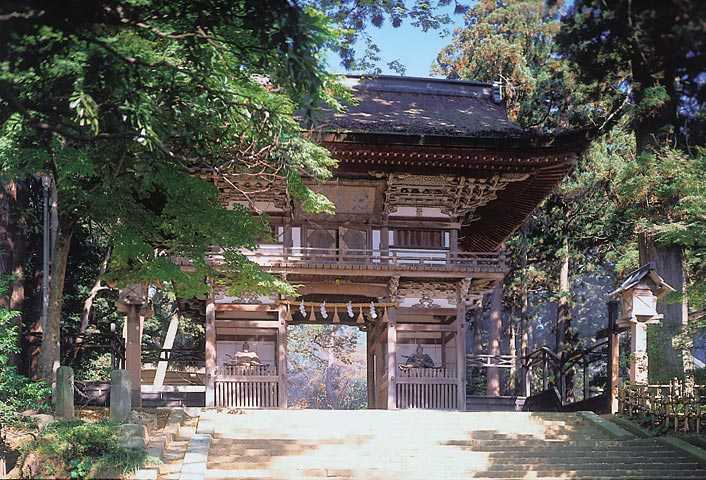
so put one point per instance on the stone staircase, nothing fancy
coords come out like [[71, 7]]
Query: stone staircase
[[419, 444]]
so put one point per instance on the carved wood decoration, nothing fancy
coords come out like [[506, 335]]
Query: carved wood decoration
[[456, 196], [251, 189], [427, 291]]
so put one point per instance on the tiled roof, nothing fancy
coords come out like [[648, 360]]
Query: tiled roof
[[420, 106]]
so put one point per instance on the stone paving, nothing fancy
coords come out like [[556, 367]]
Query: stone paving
[[419, 444]]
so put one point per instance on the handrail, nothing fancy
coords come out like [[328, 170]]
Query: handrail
[[278, 254], [562, 364]]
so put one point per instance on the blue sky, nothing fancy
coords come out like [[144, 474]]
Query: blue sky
[[412, 47]]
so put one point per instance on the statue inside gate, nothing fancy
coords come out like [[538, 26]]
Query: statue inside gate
[[418, 360], [245, 358]]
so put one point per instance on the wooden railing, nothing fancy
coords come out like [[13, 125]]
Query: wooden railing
[[429, 388], [277, 255], [246, 387], [675, 406], [561, 369], [485, 361]]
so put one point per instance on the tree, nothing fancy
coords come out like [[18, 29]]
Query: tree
[[577, 230], [651, 54], [120, 104], [510, 42], [354, 18]]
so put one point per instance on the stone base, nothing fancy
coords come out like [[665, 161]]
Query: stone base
[[133, 435]]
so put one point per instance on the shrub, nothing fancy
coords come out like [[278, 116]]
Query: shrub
[[76, 449], [17, 392]]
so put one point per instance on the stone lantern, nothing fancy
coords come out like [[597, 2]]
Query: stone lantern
[[638, 296], [132, 300]]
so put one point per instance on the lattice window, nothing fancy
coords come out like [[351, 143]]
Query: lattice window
[[419, 239]]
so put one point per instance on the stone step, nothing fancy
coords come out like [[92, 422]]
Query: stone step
[[615, 474], [581, 441]]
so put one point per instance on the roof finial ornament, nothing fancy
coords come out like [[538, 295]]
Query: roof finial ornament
[[498, 92]]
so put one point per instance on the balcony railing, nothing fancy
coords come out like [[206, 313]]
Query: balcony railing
[[274, 256]]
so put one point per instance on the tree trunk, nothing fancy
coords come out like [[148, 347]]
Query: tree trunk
[[97, 287], [512, 341], [12, 251], [666, 360], [494, 330], [563, 314], [658, 128], [49, 354], [564, 336], [524, 310]]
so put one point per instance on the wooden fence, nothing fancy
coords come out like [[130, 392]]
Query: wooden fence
[[430, 388], [676, 406], [246, 387]]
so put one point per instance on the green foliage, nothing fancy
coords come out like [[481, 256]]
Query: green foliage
[[123, 104], [665, 191], [96, 368], [355, 18], [325, 365], [17, 392], [78, 449], [511, 42]]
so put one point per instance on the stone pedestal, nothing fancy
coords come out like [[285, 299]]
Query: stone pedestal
[[638, 353], [120, 396], [132, 436], [64, 401]]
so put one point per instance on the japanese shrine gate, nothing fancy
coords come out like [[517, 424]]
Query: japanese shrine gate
[[432, 178]]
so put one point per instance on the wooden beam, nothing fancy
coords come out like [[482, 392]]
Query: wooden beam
[[369, 290], [210, 354], [425, 327], [247, 324], [236, 307], [167, 345], [387, 271]]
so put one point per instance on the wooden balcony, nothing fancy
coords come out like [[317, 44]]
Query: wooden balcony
[[279, 259]]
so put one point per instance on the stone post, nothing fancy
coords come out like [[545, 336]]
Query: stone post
[[64, 402], [120, 395]]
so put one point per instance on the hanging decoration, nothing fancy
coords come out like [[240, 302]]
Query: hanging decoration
[[302, 309], [312, 318], [322, 309], [361, 319], [373, 313], [385, 318], [335, 315], [288, 315], [349, 309]]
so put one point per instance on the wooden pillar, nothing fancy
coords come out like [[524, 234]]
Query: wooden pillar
[[133, 353], [496, 310], [613, 358], [461, 352], [392, 359], [370, 364], [210, 354], [384, 243], [282, 356], [453, 241]]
